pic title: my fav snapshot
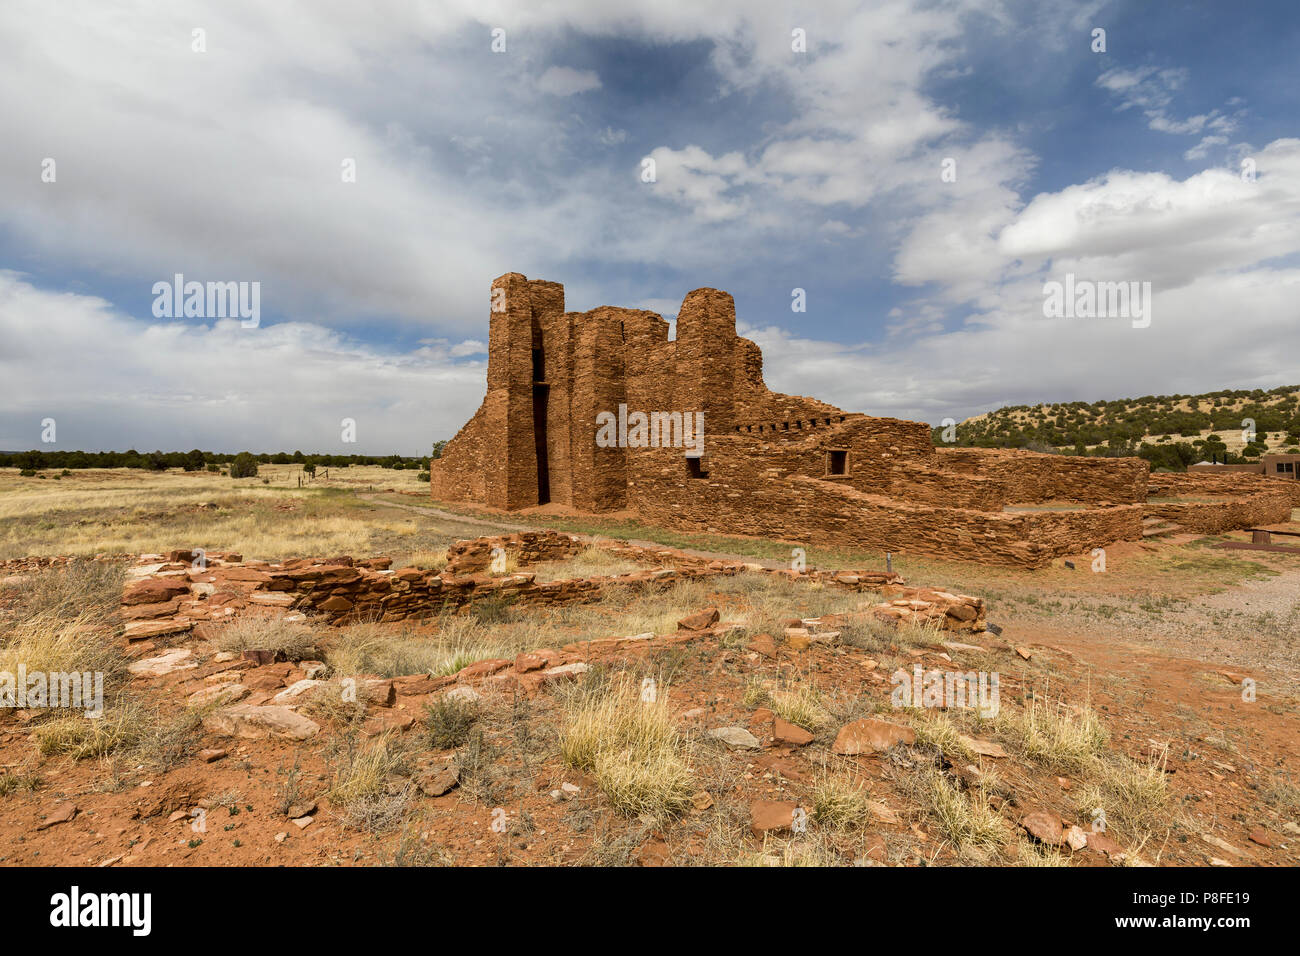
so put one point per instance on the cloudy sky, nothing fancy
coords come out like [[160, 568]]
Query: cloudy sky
[[920, 168]]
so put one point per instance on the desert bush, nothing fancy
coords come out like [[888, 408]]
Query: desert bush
[[447, 722]]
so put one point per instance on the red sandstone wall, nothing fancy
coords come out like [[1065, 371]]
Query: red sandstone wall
[[457, 475], [705, 355], [1177, 484], [600, 474], [949, 489], [1229, 514], [756, 405], [758, 495], [1032, 478]]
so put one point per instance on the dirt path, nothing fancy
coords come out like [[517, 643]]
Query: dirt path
[[446, 515]]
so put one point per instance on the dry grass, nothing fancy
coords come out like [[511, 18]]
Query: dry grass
[[52, 644], [632, 748], [756, 692], [368, 791], [458, 641], [160, 742], [801, 704], [260, 632], [78, 590], [64, 623], [424, 560], [123, 510], [123, 727], [19, 781], [1030, 854], [1054, 735], [967, 821], [802, 852], [841, 801], [1133, 796], [395, 652], [938, 732]]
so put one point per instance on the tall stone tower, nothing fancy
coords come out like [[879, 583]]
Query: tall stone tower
[[706, 358], [515, 460]]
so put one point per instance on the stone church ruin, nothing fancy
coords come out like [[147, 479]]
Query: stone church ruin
[[781, 466]]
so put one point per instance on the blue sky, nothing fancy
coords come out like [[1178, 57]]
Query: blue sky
[[775, 170]]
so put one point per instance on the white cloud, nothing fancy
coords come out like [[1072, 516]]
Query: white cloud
[[110, 381], [1222, 254], [1152, 91], [566, 81]]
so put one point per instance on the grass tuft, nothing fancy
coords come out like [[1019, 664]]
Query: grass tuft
[[632, 748]]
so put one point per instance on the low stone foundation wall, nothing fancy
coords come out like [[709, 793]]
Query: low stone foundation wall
[[1220, 483], [525, 548], [1229, 514], [37, 563], [170, 594]]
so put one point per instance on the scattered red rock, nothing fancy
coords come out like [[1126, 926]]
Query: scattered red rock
[[771, 816], [61, 812], [700, 620], [1260, 836], [928, 606], [871, 736], [1044, 827], [787, 733]]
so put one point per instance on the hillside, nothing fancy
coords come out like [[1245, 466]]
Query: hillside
[[1169, 430]]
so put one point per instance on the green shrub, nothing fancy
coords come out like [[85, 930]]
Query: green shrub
[[447, 722], [244, 466]]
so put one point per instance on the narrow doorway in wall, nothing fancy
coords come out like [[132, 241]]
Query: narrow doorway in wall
[[541, 397]]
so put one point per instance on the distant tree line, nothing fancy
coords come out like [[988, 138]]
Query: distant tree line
[[197, 460]]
